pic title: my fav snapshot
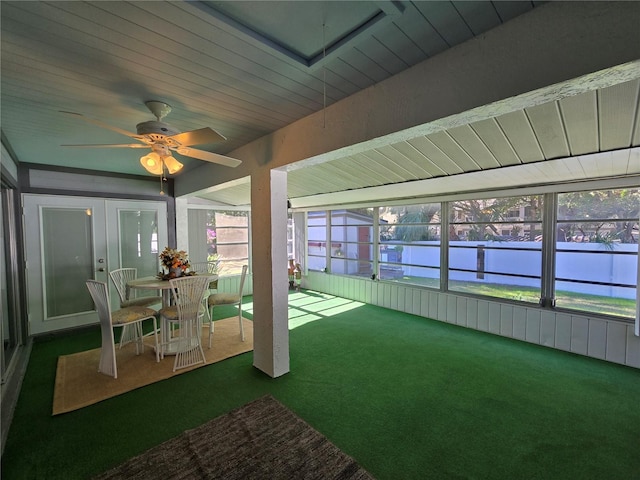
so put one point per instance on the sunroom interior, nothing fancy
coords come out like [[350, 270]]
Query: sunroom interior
[[414, 190]]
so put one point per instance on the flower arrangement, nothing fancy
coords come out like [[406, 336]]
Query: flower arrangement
[[175, 262]]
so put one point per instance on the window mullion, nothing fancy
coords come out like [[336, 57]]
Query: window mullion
[[549, 220], [376, 242], [328, 242], [444, 246]]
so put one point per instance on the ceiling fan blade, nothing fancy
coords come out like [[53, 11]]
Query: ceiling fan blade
[[198, 137], [103, 125], [208, 156], [109, 145]]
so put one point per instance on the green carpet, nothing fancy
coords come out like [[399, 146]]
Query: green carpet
[[406, 397]]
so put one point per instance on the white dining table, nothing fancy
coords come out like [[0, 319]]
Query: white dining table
[[155, 283]]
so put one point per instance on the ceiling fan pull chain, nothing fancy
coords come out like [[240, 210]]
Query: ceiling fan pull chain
[[324, 76]]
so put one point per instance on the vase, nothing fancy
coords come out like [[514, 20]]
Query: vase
[[175, 272]]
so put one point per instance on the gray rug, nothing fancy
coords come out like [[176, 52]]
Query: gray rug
[[261, 440]]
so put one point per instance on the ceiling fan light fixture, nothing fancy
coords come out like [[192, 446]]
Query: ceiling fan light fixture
[[152, 163], [162, 138], [172, 164]]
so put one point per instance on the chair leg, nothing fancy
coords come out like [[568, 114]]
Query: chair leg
[[139, 339], [155, 335], [107, 363], [240, 321], [190, 350], [126, 336], [210, 327]]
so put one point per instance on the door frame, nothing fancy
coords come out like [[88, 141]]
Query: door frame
[[105, 230]]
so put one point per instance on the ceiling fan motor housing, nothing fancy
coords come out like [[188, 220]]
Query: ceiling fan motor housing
[[155, 127]]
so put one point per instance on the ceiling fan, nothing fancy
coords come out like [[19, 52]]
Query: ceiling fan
[[163, 139]]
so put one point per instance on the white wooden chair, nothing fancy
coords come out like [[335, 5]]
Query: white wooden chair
[[206, 268], [185, 314], [120, 277], [132, 316], [227, 299]]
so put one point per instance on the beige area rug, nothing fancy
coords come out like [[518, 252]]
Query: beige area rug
[[259, 441], [79, 384]]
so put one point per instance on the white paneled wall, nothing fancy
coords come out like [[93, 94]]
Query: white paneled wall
[[609, 340], [232, 283]]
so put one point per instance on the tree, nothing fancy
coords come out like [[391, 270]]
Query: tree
[[484, 216], [414, 222], [603, 216]]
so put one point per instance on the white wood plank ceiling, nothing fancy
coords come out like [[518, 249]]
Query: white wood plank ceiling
[[249, 68], [592, 122]]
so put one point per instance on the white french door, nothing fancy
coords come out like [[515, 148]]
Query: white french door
[[71, 239]]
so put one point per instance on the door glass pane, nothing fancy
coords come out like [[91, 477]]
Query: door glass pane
[[67, 241], [139, 241]]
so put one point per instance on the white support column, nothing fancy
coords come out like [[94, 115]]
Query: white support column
[[269, 260]]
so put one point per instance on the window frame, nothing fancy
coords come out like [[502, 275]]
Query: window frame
[[342, 246], [223, 263], [432, 282], [549, 195]]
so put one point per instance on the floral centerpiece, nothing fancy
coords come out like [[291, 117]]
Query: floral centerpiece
[[175, 262]]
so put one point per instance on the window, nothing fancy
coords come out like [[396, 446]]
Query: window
[[495, 247], [317, 240], [352, 242], [290, 237], [410, 244], [487, 261], [219, 235], [596, 251], [139, 240]]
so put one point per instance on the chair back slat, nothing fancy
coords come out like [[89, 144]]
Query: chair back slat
[[120, 278], [187, 295], [98, 291], [210, 268]]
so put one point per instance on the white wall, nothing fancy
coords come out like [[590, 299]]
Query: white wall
[[232, 283], [98, 183], [609, 340]]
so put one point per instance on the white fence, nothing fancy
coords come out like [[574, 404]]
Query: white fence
[[590, 262]]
